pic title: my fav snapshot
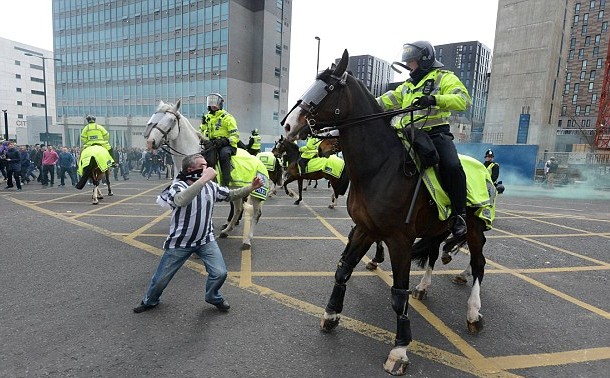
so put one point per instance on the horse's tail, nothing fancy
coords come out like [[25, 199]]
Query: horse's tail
[[427, 249], [87, 173]]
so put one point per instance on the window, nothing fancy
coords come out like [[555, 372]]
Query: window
[[19, 90], [596, 51], [592, 75], [17, 76], [587, 109], [19, 102], [276, 94], [571, 55], [581, 53], [278, 26], [605, 26], [576, 88], [585, 19], [577, 110], [17, 63], [577, 7], [584, 64], [564, 110], [566, 89], [583, 30], [592, 4], [587, 40], [600, 15], [278, 49], [574, 99], [599, 63], [583, 75], [568, 76], [277, 72], [597, 39], [593, 98]]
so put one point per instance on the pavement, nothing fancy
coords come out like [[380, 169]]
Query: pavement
[[71, 274]]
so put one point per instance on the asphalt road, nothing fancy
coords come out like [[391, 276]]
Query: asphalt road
[[71, 273]]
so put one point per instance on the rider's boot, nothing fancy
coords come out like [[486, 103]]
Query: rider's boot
[[303, 165], [225, 168], [459, 228]]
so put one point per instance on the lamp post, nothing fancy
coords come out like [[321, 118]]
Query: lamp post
[[5, 124], [44, 89], [318, 58]]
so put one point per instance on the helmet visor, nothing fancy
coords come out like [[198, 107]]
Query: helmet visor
[[214, 100], [411, 52]]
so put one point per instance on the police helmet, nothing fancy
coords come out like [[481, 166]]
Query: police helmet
[[215, 99], [552, 158], [90, 118], [489, 153], [423, 52], [255, 132]]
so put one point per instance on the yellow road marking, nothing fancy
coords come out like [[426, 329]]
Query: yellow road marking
[[552, 359]]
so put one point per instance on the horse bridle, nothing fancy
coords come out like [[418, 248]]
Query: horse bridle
[[164, 145], [316, 95]]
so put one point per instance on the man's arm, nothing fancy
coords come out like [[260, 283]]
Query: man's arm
[[234, 194]]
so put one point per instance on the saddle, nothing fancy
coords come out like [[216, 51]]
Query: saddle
[[99, 153]]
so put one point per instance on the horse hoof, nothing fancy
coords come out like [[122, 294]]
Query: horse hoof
[[223, 235], [396, 366], [371, 265], [95, 203], [459, 280], [476, 326], [331, 206], [420, 295], [110, 194], [245, 246], [327, 325], [446, 258], [290, 194], [297, 202], [224, 226], [100, 197]]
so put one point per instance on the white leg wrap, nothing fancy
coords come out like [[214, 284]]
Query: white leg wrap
[[474, 303], [426, 280]]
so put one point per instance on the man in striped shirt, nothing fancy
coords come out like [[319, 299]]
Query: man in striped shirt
[[191, 198]]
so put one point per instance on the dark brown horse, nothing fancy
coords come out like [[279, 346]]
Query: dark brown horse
[[290, 151], [383, 183], [329, 146]]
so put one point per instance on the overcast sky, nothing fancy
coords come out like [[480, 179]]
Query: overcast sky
[[377, 28]]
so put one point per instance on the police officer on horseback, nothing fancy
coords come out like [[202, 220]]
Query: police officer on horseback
[[308, 152], [254, 144], [220, 128], [94, 134], [437, 92]]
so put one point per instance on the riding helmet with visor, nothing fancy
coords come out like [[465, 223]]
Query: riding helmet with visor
[[255, 132], [215, 99], [90, 118], [423, 52]]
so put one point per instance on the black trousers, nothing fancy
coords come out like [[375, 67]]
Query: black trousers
[[453, 178]]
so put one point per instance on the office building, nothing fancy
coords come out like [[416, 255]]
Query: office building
[[374, 73], [23, 95], [120, 58]]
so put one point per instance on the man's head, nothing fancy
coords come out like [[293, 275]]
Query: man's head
[[489, 155], [64, 150], [215, 102], [193, 162], [420, 54], [11, 145]]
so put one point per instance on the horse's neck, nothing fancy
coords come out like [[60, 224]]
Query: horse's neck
[[187, 143], [292, 152]]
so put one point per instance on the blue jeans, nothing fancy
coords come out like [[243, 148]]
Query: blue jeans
[[174, 258]]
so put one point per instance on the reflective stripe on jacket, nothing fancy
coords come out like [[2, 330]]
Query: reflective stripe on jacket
[[447, 89]]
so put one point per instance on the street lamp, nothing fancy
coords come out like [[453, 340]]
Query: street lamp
[[5, 124], [44, 89], [318, 58]]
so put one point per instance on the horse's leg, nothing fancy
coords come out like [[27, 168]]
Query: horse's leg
[[426, 250], [108, 182], [288, 180], [333, 200], [94, 196], [237, 209], [378, 259], [462, 278], [300, 182], [357, 245], [254, 211], [399, 247], [476, 241]]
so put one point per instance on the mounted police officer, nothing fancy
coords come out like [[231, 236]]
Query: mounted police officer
[[94, 134], [439, 92], [220, 128], [254, 144], [308, 152]]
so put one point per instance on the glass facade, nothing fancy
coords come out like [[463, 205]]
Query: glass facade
[[119, 58]]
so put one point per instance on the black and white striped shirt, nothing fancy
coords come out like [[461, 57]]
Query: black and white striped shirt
[[191, 225]]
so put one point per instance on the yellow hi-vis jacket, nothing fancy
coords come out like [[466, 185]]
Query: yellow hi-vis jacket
[[310, 149], [220, 125], [445, 86], [95, 134], [256, 142]]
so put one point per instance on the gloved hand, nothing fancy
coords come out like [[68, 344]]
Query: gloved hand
[[221, 142], [425, 101]]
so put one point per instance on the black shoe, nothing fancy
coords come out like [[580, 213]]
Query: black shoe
[[222, 306], [8, 187], [459, 226], [143, 307]]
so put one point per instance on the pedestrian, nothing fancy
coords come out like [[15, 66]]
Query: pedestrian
[[66, 163], [49, 159], [13, 167], [191, 197], [25, 164], [437, 92], [154, 164], [220, 127], [254, 143], [550, 170]]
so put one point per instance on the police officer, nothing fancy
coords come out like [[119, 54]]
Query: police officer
[[439, 92], [254, 144], [308, 152], [220, 128], [94, 134], [494, 170]]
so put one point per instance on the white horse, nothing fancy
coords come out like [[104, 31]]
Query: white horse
[[168, 126]]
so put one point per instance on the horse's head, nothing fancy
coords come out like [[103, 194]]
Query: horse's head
[[278, 148], [163, 125], [324, 101], [329, 146]]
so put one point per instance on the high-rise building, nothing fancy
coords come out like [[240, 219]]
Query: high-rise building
[[374, 73], [584, 74], [471, 62], [120, 58], [23, 93], [528, 72]]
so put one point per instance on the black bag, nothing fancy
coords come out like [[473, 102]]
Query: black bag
[[424, 147]]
